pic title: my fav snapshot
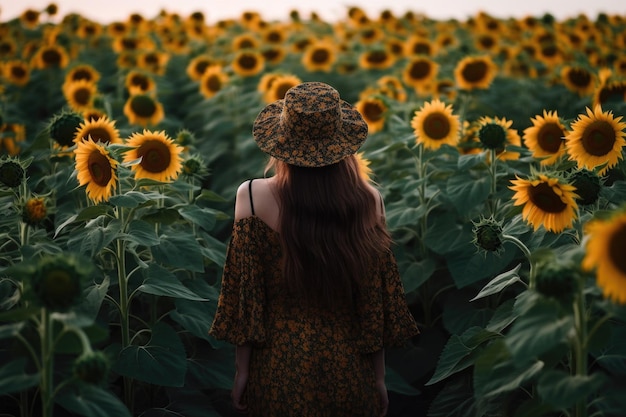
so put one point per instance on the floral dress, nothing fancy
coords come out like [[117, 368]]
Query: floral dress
[[305, 362]]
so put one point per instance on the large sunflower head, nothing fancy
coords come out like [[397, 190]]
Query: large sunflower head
[[435, 125], [497, 125], [96, 169], [51, 56], [213, 81], [420, 73], [101, 130], [605, 254], [596, 139], [546, 137], [578, 79], [374, 112], [248, 63], [548, 201], [159, 157], [80, 94], [143, 110], [319, 56], [475, 72]]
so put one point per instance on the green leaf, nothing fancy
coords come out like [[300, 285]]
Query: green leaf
[[86, 214], [208, 195], [195, 317], [160, 281], [91, 401], [161, 362], [468, 161], [201, 216], [499, 283], [10, 330], [456, 399], [181, 251], [213, 368], [562, 390], [503, 317], [13, 377], [405, 216], [130, 199], [396, 383], [417, 273], [215, 250], [466, 192], [85, 313], [142, 233], [538, 330]]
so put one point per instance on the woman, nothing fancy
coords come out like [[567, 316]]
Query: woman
[[310, 292]]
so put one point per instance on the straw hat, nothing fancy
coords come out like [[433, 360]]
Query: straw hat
[[311, 127]]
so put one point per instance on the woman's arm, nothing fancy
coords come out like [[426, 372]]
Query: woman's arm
[[378, 361], [242, 363]]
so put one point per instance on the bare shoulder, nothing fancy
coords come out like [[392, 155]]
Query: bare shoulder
[[257, 198], [380, 205]]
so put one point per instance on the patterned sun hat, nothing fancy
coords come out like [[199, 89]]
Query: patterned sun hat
[[311, 127]]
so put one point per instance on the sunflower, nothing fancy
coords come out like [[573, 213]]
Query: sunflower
[[547, 201], [392, 87], [420, 73], [279, 87], [153, 61], [445, 87], [101, 130], [545, 138], [474, 72], [376, 58], [51, 56], [159, 156], [605, 254], [30, 18], [578, 79], [34, 211], [137, 82], [435, 125], [319, 56], [365, 172], [418, 45], [8, 47], [609, 91], [198, 65], [596, 139], [248, 63], [143, 110], [82, 72], [511, 136], [80, 94], [213, 81], [275, 34], [273, 54], [16, 72], [11, 134], [620, 66], [96, 169], [374, 112], [117, 29], [245, 41]]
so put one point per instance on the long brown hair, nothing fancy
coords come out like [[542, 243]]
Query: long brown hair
[[330, 230]]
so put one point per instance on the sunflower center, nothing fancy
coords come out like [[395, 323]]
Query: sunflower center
[[487, 41], [549, 137], [598, 138], [549, 50], [18, 72], [141, 81], [377, 57], [421, 48], [82, 96], [320, 56], [247, 62], [616, 248], [201, 66], [155, 156], [143, 106], [475, 71], [579, 77], [543, 196], [271, 54], [281, 90], [51, 57], [82, 74], [420, 70], [98, 134], [274, 37], [436, 126], [372, 111], [99, 168], [214, 83]]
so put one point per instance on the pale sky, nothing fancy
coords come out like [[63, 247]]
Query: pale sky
[[105, 11]]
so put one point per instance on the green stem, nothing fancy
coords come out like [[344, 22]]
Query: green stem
[[47, 363], [526, 251], [493, 173], [580, 348]]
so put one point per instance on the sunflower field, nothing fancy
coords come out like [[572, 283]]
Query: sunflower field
[[498, 146]]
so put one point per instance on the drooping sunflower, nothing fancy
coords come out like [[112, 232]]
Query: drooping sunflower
[[434, 125], [248, 63], [101, 130], [319, 56], [80, 95], [420, 72], [160, 156], [137, 82], [198, 65], [578, 79], [143, 110], [548, 201], [595, 139], [82, 72], [16, 72], [546, 137], [374, 112], [605, 254], [213, 81], [475, 72], [96, 169], [51, 56], [279, 87]]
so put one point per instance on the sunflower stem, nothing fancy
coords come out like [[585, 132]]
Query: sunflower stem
[[580, 348], [493, 174], [47, 363], [527, 254]]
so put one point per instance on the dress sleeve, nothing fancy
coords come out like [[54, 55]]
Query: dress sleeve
[[384, 315], [239, 315]]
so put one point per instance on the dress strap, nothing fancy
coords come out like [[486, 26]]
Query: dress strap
[[250, 192]]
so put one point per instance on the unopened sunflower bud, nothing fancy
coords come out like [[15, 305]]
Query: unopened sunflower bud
[[587, 185], [488, 235], [492, 136], [92, 368], [34, 211], [558, 281], [57, 280], [64, 126], [11, 173]]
